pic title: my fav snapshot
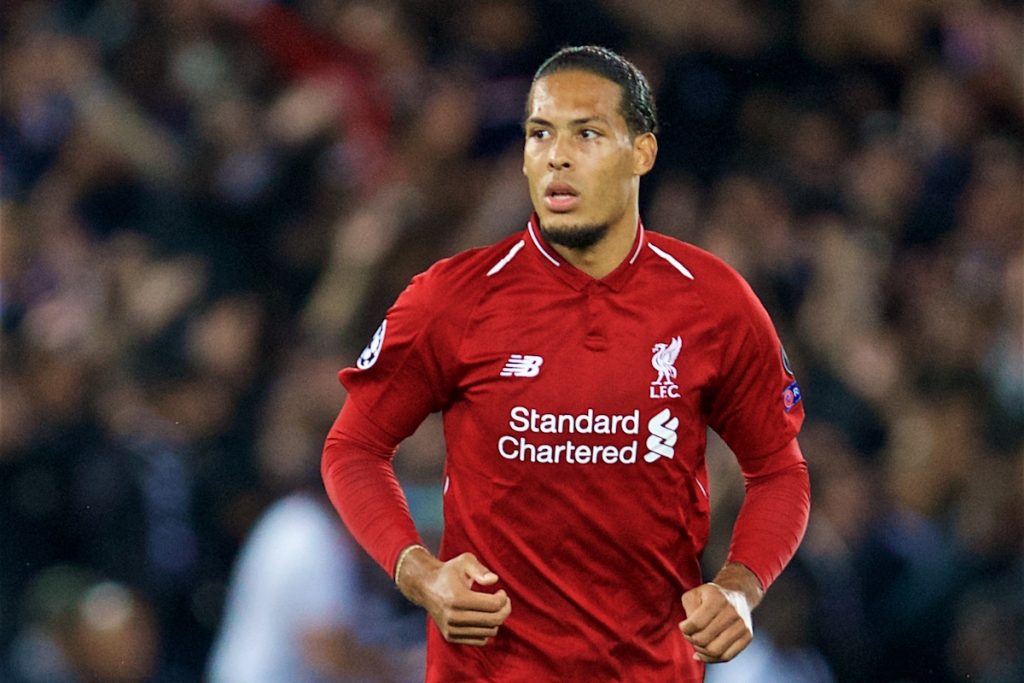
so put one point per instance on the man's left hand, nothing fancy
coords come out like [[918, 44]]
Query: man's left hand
[[718, 623]]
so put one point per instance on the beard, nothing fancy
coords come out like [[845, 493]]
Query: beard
[[575, 236]]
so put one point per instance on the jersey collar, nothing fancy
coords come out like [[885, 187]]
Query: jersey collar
[[572, 275]]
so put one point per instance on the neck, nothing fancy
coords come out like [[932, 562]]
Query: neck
[[602, 258]]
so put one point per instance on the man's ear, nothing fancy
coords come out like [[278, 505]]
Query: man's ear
[[645, 151]]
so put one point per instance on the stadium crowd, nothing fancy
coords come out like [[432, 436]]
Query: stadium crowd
[[208, 205]]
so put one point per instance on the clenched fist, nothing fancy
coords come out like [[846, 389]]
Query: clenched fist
[[445, 589], [718, 623]]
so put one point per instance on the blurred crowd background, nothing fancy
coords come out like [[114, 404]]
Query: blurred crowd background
[[208, 205]]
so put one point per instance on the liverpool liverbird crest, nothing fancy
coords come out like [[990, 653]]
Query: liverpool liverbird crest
[[664, 361]]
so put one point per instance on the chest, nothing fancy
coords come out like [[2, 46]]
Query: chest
[[555, 360], [586, 397]]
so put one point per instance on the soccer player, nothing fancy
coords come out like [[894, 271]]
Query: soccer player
[[578, 365]]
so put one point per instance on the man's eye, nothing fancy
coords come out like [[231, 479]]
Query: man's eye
[[540, 135], [588, 134]]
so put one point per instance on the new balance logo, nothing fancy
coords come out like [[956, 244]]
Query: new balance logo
[[519, 365], [661, 443]]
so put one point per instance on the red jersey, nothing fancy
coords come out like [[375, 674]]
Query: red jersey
[[575, 416]]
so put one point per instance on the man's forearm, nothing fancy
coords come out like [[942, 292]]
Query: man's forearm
[[416, 565], [736, 577], [362, 486], [772, 520]]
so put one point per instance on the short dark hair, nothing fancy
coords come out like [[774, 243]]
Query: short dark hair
[[637, 103]]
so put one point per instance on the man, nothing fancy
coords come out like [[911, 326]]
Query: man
[[577, 364]]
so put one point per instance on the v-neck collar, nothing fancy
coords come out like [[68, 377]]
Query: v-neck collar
[[573, 276]]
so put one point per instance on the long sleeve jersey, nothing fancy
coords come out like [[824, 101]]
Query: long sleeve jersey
[[575, 415]]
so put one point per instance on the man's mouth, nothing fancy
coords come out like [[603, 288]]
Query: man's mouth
[[561, 197]]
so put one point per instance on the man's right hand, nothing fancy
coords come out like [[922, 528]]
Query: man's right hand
[[445, 589]]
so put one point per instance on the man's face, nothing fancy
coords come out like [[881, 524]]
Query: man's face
[[582, 163]]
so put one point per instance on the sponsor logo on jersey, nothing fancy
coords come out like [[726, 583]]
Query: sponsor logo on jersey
[[791, 396], [371, 353], [663, 434], [520, 365], [527, 423], [664, 361]]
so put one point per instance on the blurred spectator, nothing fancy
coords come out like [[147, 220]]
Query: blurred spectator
[[293, 610], [302, 604], [205, 206], [80, 628]]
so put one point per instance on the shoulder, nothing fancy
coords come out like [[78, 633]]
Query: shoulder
[[709, 274], [727, 298], [464, 277], [470, 267], [438, 303]]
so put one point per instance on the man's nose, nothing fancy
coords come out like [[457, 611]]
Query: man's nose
[[559, 157]]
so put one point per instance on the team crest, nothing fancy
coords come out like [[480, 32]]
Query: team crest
[[664, 361]]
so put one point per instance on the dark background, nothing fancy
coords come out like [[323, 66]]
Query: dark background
[[207, 206]]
